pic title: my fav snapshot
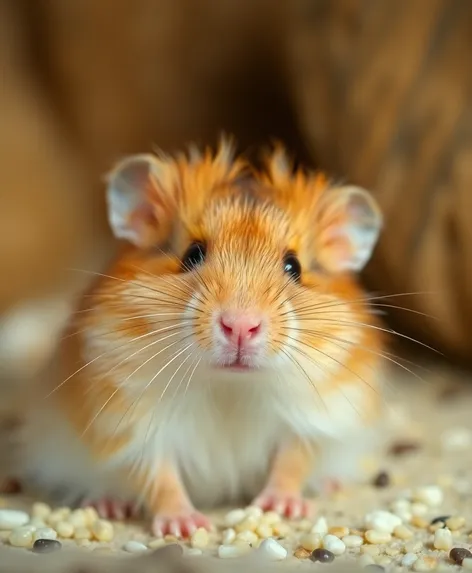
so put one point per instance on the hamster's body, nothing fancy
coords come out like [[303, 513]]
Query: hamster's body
[[241, 361]]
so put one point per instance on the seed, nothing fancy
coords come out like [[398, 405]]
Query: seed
[[441, 519], [103, 530], [382, 479], [248, 524], [310, 541], [44, 533], [455, 523], [371, 550], [419, 522], [281, 529], [170, 538], [157, 543], [424, 564], [339, 531], [91, 515], [229, 535], [11, 519], [431, 495], [46, 545], [443, 539], [264, 531], [234, 517], [82, 533], [392, 550], [456, 439], [247, 537], [21, 537], [402, 448], [467, 563], [134, 547], [41, 510], [270, 518], [334, 544], [365, 560], [376, 537], [322, 555], [199, 538], [413, 547], [408, 559], [273, 550], [302, 553], [458, 554], [382, 521], [230, 551], [402, 532], [353, 540], [78, 518], [320, 526], [253, 511]]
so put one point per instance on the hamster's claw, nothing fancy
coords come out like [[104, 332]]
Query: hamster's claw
[[287, 505], [179, 526], [108, 508]]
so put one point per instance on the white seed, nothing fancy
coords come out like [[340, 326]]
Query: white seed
[[21, 537], [82, 533], [12, 518], [408, 559], [91, 516], [229, 535], [382, 521], [156, 543], [103, 530], [44, 533], [134, 547], [376, 537], [230, 551], [36, 522], [419, 509], [442, 539], [334, 544], [247, 524], [270, 518], [234, 517], [281, 529], [320, 526], [467, 563], [310, 541], [193, 551], [365, 560], [272, 550], [456, 522], [424, 564], [200, 538], [431, 495], [247, 536], [352, 540], [264, 531], [254, 511], [65, 529], [78, 518], [403, 532], [41, 510]]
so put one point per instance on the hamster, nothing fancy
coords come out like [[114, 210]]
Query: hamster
[[228, 353]]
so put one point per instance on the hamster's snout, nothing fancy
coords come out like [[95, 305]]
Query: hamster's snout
[[240, 338]]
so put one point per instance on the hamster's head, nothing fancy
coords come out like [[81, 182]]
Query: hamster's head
[[249, 262]]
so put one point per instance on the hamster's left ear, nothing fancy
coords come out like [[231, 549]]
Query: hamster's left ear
[[348, 223], [136, 210]]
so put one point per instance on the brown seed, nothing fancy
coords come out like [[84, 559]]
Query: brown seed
[[401, 448], [458, 554], [382, 479], [302, 553]]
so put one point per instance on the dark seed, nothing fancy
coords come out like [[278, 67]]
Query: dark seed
[[401, 448], [46, 545], [322, 555], [442, 518], [458, 554], [382, 480]]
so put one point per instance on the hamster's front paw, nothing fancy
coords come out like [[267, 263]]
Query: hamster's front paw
[[287, 504], [180, 525], [109, 508]]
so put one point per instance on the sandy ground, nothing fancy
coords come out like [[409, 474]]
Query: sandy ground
[[433, 441]]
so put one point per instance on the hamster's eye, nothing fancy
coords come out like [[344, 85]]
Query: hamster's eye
[[292, 266], [194, 256]]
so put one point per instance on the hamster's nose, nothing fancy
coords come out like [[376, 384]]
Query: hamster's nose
[[240, 327]]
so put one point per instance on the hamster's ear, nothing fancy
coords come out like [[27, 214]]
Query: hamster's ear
[[348, 224], [131, 198]]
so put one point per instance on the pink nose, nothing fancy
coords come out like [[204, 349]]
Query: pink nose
[[240, 327]]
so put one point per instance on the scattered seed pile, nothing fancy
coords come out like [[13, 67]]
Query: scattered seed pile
[[415, 513]]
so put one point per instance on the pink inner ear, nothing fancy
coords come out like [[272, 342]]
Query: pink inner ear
[[143, 221]]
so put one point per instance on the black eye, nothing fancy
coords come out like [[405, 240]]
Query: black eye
[[292, 266], [194, 256]]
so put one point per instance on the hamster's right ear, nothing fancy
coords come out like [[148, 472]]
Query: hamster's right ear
[[135, 212]]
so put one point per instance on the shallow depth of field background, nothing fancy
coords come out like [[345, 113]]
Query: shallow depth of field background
[[375, 92]]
